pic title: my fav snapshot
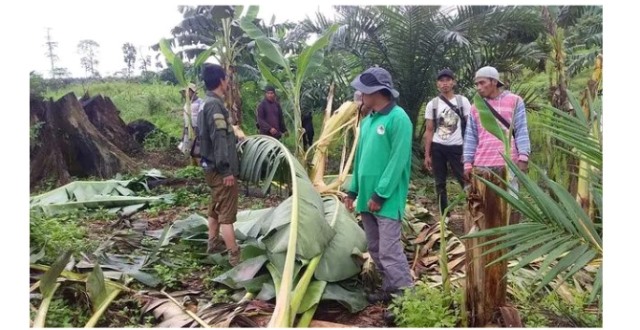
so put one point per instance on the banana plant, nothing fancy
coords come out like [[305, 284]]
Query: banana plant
[[184, 78], [583, 196], [308, 239], [310, 58]]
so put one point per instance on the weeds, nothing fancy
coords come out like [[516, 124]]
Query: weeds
[[57, 234], [427, 307]]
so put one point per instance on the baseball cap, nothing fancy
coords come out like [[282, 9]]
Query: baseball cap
[[445, 73]]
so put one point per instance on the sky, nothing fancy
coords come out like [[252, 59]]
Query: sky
[[114, 22]]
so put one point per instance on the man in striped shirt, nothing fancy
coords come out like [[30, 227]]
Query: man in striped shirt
[[482, 149]]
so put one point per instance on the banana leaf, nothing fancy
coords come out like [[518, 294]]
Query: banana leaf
[[92, 194], [354, 301], [336, 264], [125, 264], [243, 272], [314, 233]]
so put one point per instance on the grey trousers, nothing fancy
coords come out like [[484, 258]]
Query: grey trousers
[[385, 248]]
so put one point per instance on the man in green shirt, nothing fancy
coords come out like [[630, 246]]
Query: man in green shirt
[[380, 180], [219, 159]]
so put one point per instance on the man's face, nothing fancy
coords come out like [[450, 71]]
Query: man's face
[[368, 101], [445, 84], [485, 86], [271, 96]]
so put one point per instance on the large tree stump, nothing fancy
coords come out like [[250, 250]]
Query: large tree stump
[[486, 287], [44, 153], [104, 115], [67, 144]]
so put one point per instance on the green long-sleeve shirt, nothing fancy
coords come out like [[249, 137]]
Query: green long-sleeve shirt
[[383, 162], [217, 139]]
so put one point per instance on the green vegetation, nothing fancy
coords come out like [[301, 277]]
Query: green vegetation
[[522, 50], [427, 307]]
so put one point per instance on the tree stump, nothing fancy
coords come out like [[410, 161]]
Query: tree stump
[[104, 115], [486, 287], [68, 144], [44, 153]]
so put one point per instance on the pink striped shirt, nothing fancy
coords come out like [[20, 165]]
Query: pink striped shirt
[[483, 149]]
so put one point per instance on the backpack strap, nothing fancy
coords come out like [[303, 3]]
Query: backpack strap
[[463, 119], [434, 107]]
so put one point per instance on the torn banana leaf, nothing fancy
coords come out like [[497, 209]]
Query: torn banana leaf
[[93, 194]]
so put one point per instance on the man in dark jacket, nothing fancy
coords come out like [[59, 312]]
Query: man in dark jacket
[[219, 159], [270, 117]]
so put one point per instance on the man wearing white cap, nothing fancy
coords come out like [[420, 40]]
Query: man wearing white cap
[[482, 149]]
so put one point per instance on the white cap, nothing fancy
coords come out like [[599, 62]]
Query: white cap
[[489, 72]]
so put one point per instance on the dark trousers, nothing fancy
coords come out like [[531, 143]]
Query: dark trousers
[[441, 155], [307, 139]]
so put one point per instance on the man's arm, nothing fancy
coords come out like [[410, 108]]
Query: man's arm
[[353, 185], [428, 134], [398, 157], [470, 143], [523, 143]]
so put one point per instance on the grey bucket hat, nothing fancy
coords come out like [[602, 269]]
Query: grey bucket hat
[[489, 72], [373, 80]]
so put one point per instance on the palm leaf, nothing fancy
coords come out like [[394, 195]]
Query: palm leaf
[[573, 241]]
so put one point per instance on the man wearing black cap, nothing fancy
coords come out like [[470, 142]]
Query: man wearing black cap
[[380, 180], [446, 116], [270, 118]]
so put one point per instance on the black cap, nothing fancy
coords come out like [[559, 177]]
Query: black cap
[[446, 73], [269, 89]]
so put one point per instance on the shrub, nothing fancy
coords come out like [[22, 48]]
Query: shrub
[[427, 307]]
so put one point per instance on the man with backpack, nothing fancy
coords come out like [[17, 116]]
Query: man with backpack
[[446, 117]]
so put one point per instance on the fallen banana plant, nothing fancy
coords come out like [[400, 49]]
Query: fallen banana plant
[[114, 195], [183, 309], [101, 295], [316, 236], [48, 286], [343, 121], [101, 291]]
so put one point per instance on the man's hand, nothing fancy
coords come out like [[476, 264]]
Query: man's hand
[[523, 166], [228, 181], [348, 203], [467, 175], [273, 131], [373, 206], [427, 163]]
